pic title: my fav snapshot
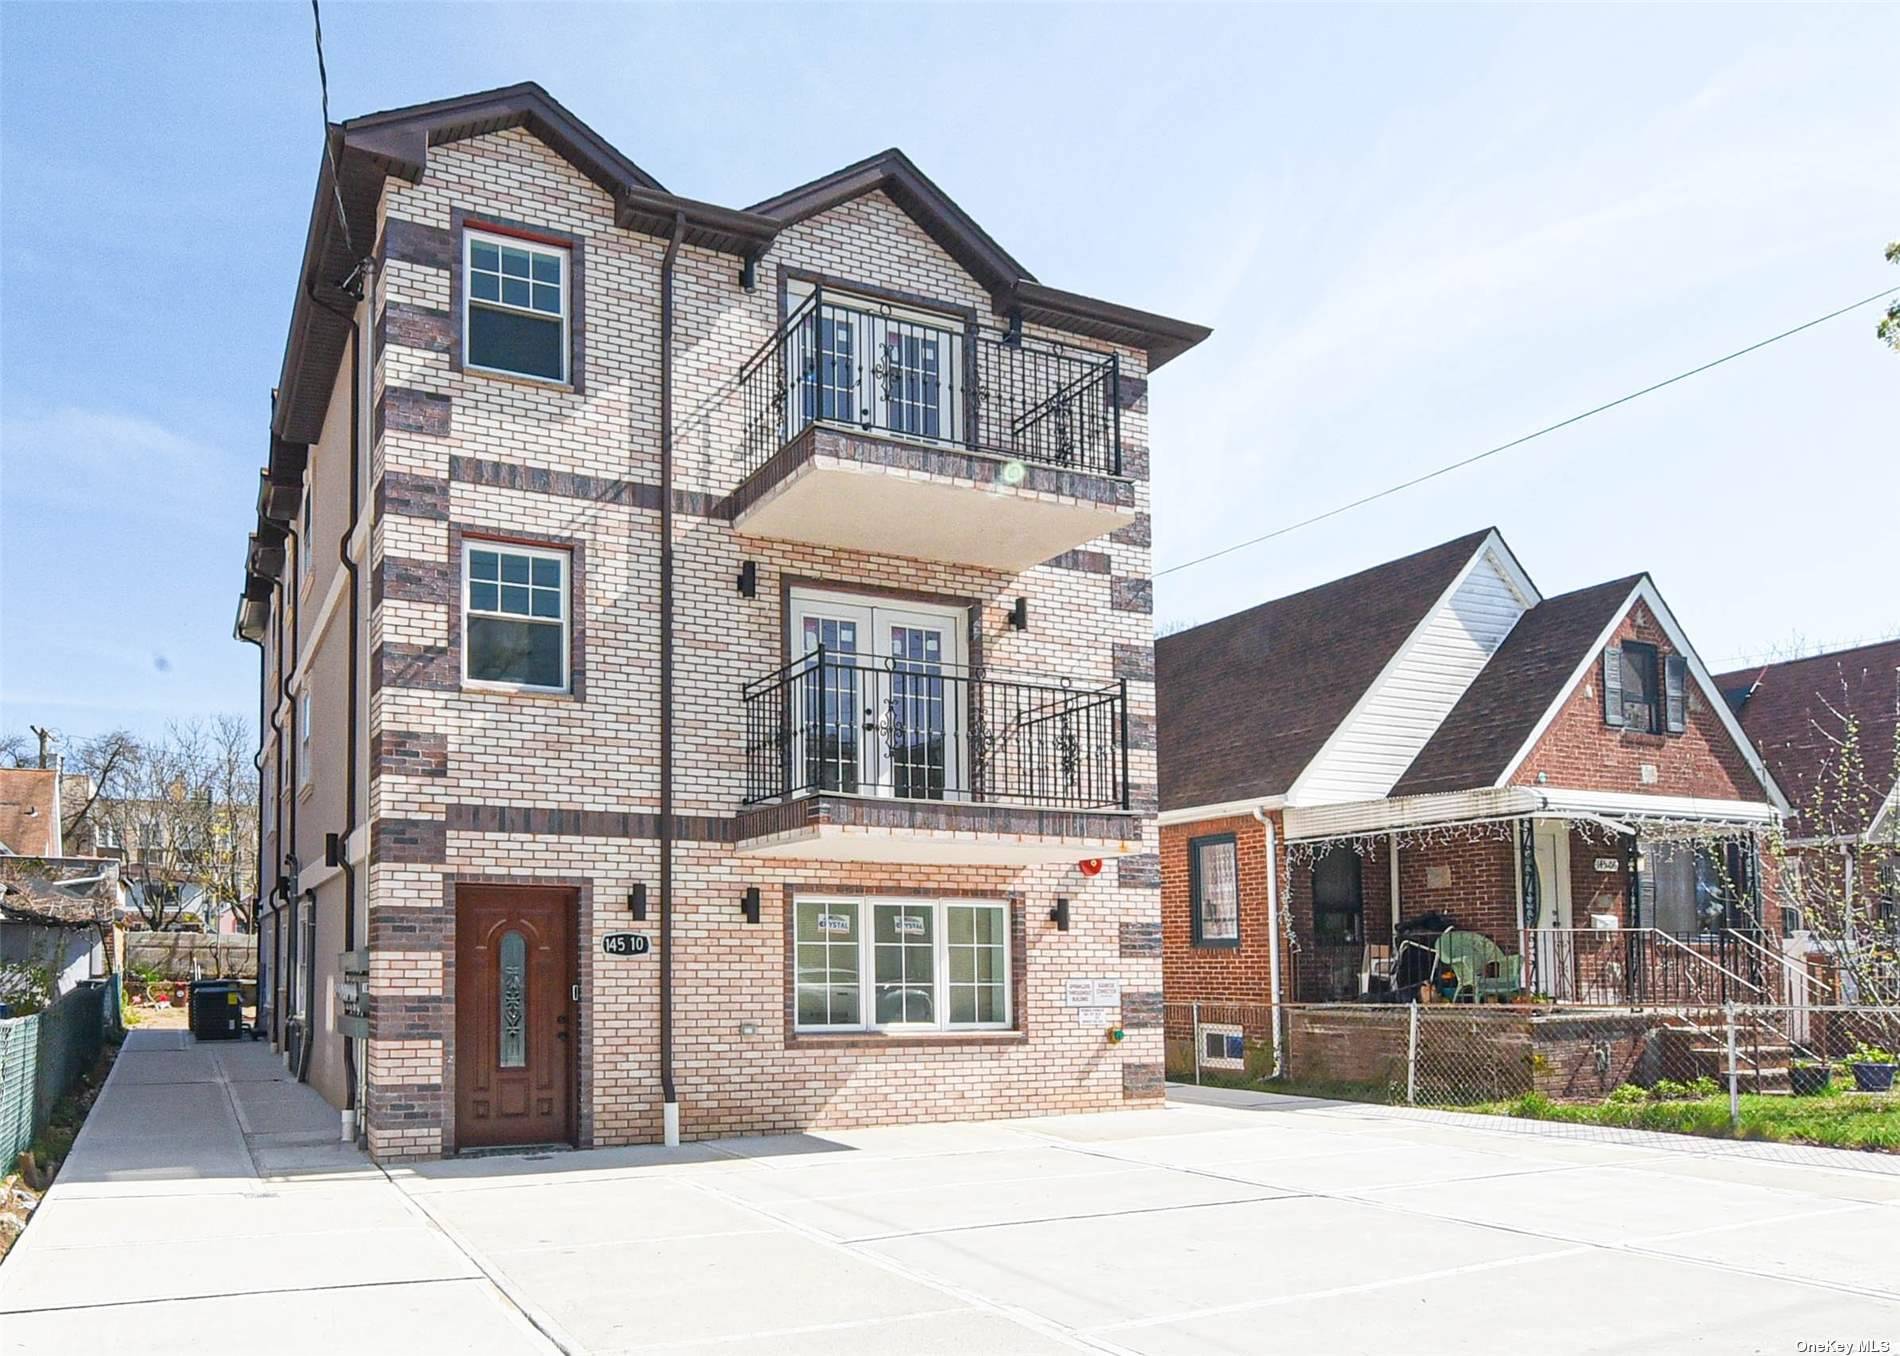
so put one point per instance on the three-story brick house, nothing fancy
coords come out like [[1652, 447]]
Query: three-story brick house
[[707, 676]]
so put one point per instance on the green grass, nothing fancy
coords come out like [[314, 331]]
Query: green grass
[[1836, 1119], [1839, 1118]]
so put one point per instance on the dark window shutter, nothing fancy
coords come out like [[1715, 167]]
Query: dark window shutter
[[1676, 696], [1645, 883], [1613, 685]]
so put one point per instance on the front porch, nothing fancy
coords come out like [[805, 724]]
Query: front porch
[[1585, 903]]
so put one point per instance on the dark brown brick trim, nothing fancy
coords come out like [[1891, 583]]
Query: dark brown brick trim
[[576, 246], [413, 842], [1089, 562], [638, 494], [411, 242], [1140, 939], [410, 753], [393, 664], [1127, 593], [417, 327], [409, 411], [1134, 662], [559, 821], [1141, 871], [412, 580], [1141, 1009], [1140, 532], [1143, 1080], [412, 496]]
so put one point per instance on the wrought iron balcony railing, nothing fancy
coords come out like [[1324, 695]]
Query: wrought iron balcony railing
[[890, 371], [924, 731]]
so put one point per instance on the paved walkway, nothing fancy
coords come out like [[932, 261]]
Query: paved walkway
[[207, 1206]]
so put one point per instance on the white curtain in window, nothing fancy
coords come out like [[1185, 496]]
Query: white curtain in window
[[1218, 877]]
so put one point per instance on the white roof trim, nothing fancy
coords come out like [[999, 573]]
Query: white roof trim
[[1645, 592], [1514, 574], [1634, 805], [1404, 812], [1225, 809]]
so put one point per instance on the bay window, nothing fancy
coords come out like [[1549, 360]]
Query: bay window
[[870, 964]]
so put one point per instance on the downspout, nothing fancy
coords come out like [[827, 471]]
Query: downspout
[[669, 1094], [292, 897], [347, 558], [1273, 934], [285, 831], [257, 898]]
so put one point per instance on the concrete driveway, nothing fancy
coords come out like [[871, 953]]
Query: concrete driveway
[[1225, 1223]]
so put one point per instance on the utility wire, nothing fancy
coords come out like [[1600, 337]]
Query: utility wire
[[329, 147], [1515, 442]]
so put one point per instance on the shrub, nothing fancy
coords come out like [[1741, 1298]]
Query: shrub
[[24, 988]]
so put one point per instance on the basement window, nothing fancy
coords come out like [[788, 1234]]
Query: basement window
[[515, 617], [1223, 1047], [515, 314]]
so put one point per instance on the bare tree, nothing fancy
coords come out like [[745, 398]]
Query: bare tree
[[1839, 865]]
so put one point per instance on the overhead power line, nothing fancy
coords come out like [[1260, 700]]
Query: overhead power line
[[1475, 457], [329, 149]]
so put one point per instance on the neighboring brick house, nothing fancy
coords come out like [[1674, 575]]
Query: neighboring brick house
[[1433, 742], [57, 901], [1844, 828], [694, 677]]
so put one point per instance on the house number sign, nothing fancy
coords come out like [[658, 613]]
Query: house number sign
[[626, 943]]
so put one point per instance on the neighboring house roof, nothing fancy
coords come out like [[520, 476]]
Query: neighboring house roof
[[1793, 711], [29, 811], [61, 892], [1530, 673], [1246, 702]]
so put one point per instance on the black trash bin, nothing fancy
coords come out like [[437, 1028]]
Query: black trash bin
[[217, 1010]]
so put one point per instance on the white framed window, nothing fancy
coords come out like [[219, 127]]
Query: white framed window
[[1223, 1047], [877, 964], [304, 722], [515, 306], [515, 617]]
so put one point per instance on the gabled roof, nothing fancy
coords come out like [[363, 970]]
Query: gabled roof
[[1246, 702], [29, 811], [366, 150], [1793, 711], [892, 173], [1511, 703], [1530, 673]]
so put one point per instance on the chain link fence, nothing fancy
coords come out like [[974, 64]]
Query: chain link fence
[[1822, 1077], [41, 1056]]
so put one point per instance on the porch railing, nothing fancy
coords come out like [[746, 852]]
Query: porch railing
[[909, 730], [891, 371], [1643, 966]]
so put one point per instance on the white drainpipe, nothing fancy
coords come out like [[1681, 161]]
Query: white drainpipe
[[1273, 933]]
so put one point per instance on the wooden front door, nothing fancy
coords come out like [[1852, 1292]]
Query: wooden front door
[[515, 1018]]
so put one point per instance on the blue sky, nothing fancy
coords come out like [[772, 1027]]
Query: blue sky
[[1418, 232]]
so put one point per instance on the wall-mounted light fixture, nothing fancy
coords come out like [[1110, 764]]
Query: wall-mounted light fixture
[[749, 904], [637, 902], [1019, 615], [749, 579], [332, 849], [1059, 915]]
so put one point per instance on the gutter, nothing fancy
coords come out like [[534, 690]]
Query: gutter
[[669, 1093]]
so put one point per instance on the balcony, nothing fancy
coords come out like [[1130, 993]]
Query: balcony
[[855, 759], [880, 428]]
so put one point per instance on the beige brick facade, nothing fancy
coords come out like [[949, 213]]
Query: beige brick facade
[[465, 786]]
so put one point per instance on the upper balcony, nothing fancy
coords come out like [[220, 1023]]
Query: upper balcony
[[855, 757], [883, 427]]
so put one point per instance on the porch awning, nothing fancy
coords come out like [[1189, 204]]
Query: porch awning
[[1493, 803]]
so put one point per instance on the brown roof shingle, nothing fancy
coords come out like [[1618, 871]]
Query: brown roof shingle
[[29, 810], [1527, 676], [1793, 713], [1245, 702]]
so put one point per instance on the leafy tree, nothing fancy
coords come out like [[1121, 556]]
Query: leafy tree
[[1889, 327]]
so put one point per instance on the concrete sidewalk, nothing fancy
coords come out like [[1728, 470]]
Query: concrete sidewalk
[[209, 1204]]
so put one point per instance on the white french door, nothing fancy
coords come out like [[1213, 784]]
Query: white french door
[[883, 714]]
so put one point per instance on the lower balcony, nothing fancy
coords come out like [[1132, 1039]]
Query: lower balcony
[[888, 760]]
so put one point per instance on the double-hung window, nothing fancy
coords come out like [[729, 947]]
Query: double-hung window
[[517, 306], [900, 964], [1214, 884], [515, 617]]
